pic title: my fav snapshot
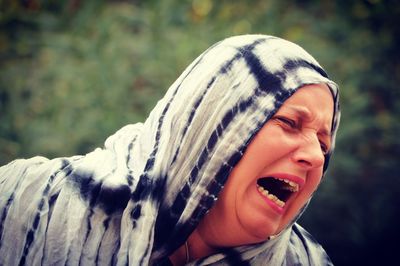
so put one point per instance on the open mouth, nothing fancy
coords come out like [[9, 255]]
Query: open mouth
[[278, 190]]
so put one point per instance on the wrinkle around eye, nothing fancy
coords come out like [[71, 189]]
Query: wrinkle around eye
[[324, 148], [325, 141], [287, 122]]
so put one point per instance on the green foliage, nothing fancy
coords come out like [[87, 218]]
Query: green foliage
[[73, 72]]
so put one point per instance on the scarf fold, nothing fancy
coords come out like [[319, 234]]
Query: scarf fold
[[137, 199]]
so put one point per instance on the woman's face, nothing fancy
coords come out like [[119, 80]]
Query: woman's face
[[285, 158]]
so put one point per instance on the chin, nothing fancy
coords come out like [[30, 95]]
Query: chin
[[259, 230]]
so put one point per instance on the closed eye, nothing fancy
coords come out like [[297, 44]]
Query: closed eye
[[324, 140], [287, 121], [324, 148], [293, 125]]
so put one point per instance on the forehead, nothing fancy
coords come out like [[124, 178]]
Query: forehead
[[311, 102]]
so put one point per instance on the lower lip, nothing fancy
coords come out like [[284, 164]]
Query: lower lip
[[272, 204]]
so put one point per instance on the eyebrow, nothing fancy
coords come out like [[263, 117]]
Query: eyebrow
[[304, 112]]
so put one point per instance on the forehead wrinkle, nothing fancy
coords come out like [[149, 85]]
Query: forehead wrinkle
[[305, 114]]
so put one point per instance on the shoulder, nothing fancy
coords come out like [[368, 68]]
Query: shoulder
[[305, 249], [25, 176], [18, 169]]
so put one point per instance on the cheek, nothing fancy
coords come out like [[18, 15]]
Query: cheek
[[269, 147], [313, 180], [308, 190], [282, 143]]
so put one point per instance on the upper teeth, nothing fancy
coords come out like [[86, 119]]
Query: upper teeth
[[293, 186]]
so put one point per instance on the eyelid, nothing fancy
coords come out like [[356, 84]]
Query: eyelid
[[293, 124], [326, 149], [290, 122]]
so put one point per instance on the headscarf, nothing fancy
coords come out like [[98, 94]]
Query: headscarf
[[137, 199]]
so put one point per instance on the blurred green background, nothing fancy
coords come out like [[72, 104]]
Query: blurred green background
[[72, 72]]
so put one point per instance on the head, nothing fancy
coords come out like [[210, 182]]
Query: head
[[247, 112], [278, 173]]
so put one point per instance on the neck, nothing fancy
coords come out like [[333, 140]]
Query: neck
[[199, 247], [194, 248], [179, 256]]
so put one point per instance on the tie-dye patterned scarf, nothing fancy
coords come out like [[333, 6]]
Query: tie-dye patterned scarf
[[136, 200]]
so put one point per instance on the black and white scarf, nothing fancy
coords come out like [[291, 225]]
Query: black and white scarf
[[137, 199]]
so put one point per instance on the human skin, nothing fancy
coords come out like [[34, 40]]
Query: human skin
[[291, 145]]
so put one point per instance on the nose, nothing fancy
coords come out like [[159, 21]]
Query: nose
[[309, 154]]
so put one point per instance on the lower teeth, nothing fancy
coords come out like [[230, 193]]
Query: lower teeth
[[271, 197]]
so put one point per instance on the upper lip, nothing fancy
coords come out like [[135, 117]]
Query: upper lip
[[294, 178]]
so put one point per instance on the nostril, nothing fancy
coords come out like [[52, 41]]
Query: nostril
[[305, 162]]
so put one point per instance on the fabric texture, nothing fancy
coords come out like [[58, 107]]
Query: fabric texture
[[138, 198]]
